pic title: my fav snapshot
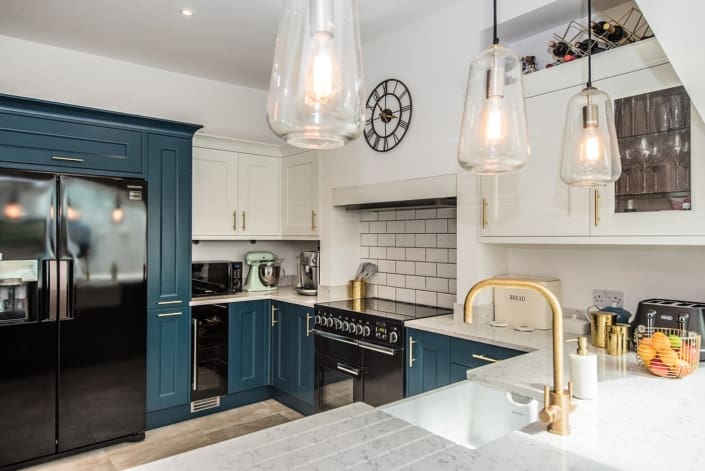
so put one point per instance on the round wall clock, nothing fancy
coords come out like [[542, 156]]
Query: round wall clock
[[389, 115]]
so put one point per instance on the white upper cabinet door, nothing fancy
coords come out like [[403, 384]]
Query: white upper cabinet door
[[258, 195], [606, 221], [300, 198], [215, 202], [533, 201]]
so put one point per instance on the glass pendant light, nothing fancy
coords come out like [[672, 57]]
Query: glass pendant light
[[590, 150], [493, 135], [316, 92], [13, 209]]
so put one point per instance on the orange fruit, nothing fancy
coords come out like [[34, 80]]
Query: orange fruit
[[682, 368], [645, 341], [660, 341], [645, 352], [668, 357]]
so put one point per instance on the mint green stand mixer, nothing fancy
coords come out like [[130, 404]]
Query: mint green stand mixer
[[264, 271]]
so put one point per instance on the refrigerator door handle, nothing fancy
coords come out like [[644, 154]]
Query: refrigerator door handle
[[51, 269], [64, 295], [194, 385]]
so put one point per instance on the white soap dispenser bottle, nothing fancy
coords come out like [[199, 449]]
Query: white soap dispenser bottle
[[583, 371]]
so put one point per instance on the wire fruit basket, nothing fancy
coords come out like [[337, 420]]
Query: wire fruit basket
[[669, 353]]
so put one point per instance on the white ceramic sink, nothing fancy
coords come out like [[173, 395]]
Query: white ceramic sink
[[467, 413]]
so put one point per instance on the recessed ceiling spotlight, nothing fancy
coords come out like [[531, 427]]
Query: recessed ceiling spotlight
[[186, 12]]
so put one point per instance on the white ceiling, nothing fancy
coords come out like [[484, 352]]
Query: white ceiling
[[227, 40]]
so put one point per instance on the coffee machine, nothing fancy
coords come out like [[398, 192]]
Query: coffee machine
[[308, 268]]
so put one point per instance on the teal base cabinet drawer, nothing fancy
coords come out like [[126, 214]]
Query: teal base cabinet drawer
[[474, 354], [428, 361], [60, 143], [248, 345], [168, 357]]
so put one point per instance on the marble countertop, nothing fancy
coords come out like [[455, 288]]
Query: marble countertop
[[285, 294], [637, 422]]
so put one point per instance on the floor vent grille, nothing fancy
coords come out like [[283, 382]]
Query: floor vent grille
[[204, 404]]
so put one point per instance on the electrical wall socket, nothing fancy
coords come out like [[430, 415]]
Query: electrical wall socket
[[607, 297]]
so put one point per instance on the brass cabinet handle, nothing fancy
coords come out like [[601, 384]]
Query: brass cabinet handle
[[244, 215], [235, 220], [308, 324], [274, 309], [411, 352], [597, 208], [313, 219], [169, 314], [164, 303], [67, 159], [484, 213], [477, 356]]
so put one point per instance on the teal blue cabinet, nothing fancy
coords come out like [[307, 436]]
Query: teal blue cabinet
[[428, 365], [293, 350], [437, 360], [248, 344], [169, 216], [168, 347]]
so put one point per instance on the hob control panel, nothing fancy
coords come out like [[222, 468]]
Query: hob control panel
[[360, 326]]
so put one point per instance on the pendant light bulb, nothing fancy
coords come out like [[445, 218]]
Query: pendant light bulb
[[13, 209], [590, 156], [316, 93], [493, 136]]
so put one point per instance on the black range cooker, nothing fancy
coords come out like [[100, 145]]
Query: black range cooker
[[359, 346]]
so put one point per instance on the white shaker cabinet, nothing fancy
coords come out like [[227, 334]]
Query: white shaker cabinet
[[300, 195], [215, 188], [258, 195]]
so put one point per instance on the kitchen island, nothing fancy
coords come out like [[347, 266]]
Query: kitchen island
[[637, 422]]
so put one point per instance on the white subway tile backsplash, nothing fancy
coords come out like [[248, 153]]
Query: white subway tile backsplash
[[368, 240], [379, 227], [387, 266], [446, 270], [447, 241], [406, 214], [425, 269], [387, 292], [405, 240], [418, 255], [415, 226], [425, 213], [437, 255], [387, 215], [398, 281], [425, 240], [406, 295], [378, 252], [426, 297], [437, 226], [386, 240], [448, 213], [405, 268], [439, 285], [395, 227], [394, 253], [415, 253], [416, 282]]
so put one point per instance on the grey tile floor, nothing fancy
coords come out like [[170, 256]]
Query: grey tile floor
[[177, 438]]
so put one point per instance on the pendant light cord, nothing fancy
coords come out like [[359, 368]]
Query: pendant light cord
[[495, 39], [589, 81]]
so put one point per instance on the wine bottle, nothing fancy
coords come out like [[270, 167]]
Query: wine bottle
[[584, 45], [614, 32], [598, 28], [559, 49]]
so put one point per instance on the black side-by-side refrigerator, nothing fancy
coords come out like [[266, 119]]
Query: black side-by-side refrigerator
[[72, 312]]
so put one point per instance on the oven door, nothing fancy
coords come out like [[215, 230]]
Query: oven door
[[384, 373], [340, 376]]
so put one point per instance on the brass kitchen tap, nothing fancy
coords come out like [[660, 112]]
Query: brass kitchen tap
[[558, 403]]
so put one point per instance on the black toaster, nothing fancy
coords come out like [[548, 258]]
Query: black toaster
[[671, 314]]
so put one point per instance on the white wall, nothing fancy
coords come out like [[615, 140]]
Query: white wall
[[56, 74]]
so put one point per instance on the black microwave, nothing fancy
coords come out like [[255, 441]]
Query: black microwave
[[215, 277]]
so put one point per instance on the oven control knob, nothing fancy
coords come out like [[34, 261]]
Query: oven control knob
[[338, 324], [346, 326], [366, 331], [393, 337], [358, 329], [328, 322], [318, 319]]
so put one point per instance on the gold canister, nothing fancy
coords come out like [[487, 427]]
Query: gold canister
[[618, 339], [600, 321], [357, 289]]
